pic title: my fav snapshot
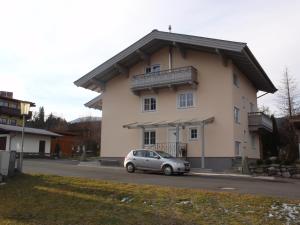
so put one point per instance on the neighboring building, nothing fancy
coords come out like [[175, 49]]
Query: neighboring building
[[68, 142], [191, 96], [296, 122], [36, 141], [10, 112]]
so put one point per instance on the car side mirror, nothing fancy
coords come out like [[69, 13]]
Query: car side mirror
[[157, 157]]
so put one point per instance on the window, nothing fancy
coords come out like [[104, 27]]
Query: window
[[185, 100], [13, 105], [3, 121], [4, 103], [13, 122], [237, 148], [235, 80], [253, 141], [139, 153], [251, 107], [151, 154], [149, 138], [152, 69], [236, 115], [149, 104], [193, 133]]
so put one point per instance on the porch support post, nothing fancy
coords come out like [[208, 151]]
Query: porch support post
[[143, 138], [177, 140], [202, 147]]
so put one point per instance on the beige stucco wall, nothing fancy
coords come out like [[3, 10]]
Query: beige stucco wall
[[243, 95], [214, 97]]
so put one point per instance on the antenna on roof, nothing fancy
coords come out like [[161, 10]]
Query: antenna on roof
[[170, 28]]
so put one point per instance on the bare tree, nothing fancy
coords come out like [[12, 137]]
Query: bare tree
[[288, 95]]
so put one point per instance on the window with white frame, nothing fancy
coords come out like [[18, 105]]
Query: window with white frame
[[149, 137], [193, 133], [237, 148], [235, 80], [149, 104], [253, 141], [236, 114], [185, 100], [152, 69], [13, 122]]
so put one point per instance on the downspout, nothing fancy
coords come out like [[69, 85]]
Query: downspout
[[170, 58]]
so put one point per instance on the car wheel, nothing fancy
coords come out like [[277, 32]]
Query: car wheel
[[130, 168], [168, 170]]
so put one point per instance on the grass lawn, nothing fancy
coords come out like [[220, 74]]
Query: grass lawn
[[42, 200]]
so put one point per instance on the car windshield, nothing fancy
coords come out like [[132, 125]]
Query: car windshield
[[164, 154]]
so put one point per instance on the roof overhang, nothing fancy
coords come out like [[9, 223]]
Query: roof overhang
[[179, 122], [27, 130], [95, 103], [238, 52]]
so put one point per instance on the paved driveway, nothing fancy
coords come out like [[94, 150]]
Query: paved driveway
[[290, 188]]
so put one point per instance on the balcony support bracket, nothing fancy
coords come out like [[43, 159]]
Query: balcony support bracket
[[122, 69], [223, 57], [144, 56]]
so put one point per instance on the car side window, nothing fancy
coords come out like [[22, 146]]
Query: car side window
[[151, 154], [139, 153]]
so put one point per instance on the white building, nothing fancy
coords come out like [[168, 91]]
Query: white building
[[35, 140]]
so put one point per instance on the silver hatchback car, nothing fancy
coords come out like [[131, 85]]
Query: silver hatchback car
[[143, 159]]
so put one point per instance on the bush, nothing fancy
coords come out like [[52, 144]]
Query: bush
[[259, 162]]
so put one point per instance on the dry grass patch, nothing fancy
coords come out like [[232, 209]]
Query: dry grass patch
[[43, 199]]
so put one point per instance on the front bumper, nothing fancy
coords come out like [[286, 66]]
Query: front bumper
[[181, 169]]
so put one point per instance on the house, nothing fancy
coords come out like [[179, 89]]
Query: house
[[36, 141], [190, 96], [10, 112], [67, 142]]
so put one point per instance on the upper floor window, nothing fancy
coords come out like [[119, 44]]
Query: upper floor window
[[152, 69], [236, 80], [149, 138], [13, 122], [185, 100], [149, 104], [236, 114], [3, 121], [13, 105], [4, 103]]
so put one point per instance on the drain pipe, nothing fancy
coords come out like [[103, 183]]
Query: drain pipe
[[170, 58]]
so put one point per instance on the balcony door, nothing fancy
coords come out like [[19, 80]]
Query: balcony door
[[150, 70]]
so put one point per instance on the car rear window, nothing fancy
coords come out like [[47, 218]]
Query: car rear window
[[139, 153]]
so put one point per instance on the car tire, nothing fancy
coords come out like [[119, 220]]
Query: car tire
[[168, 170], [130, 168]]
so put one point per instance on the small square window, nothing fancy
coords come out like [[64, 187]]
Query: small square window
[[193, 133]]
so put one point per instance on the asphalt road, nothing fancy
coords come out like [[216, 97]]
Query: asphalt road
[[289, 188]]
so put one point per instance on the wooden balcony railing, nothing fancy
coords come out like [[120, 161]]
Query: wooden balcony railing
[[165, 78], [13, 112], [259, 120]]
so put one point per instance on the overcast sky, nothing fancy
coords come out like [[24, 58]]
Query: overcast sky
[[46, 45]]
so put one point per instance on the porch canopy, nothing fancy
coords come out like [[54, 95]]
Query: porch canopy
[[176, 123]]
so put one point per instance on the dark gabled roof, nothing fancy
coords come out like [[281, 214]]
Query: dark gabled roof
[[238, 52], [27, 130]]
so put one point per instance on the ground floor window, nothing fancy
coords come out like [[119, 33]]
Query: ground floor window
[[253, 141], [193, 133], [149, 138], [237, 146]]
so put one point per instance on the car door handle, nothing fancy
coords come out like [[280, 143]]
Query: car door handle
[[147, 160]]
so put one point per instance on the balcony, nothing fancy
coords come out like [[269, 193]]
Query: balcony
[[13, 112], [259, 120], [165, 78]]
